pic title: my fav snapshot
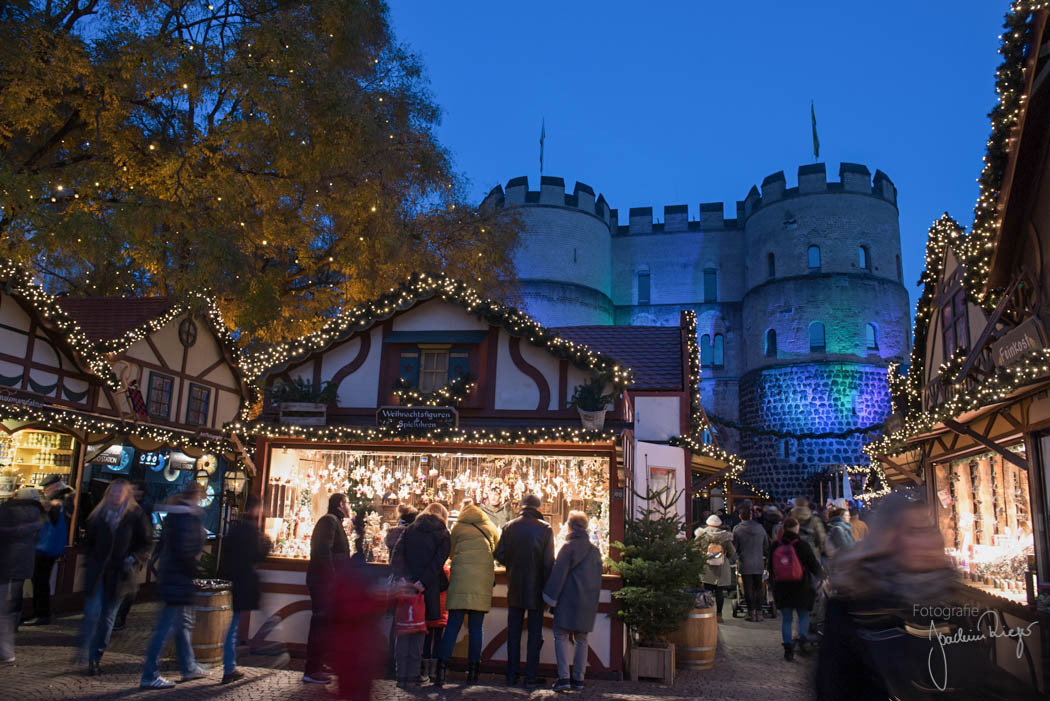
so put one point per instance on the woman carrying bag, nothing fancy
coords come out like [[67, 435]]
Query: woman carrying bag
[[474, 539]]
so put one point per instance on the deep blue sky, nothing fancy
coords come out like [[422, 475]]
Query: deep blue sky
[[689, 102]]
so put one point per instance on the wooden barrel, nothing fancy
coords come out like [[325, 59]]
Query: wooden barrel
[[212, 611], [696, 640]]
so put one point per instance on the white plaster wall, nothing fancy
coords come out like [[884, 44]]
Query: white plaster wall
[[514, 389], [437, 315], [361, 388], [656, 418], [336, 358], [649, 455], [546, 364]]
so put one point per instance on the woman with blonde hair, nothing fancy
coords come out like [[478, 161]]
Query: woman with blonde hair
[[116, 541], [474, 539]]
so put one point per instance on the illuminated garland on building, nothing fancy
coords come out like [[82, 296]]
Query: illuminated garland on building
[[477, 436], [421, 287], [449, 395]]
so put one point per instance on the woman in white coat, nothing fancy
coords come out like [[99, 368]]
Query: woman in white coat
[[720, 555]]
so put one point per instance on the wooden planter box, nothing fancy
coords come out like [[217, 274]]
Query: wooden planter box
[[303, 413], [652, 663]]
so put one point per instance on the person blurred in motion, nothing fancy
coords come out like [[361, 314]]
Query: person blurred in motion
[[356, 639], [752, 547], [181, 542], [20, 525], [57, 501], [572, 592], [840, 535], [721, 553], [419, 556], [793, 569], [858, 527], [329, 547], [406, 514], [471, 578], [116, 540], [138, 493], [811, 528], [771, 519], [526, 549], [877, 640], [245, 547]]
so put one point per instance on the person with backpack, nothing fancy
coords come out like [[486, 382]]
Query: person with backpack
[[720, 554], [58, 510], [793, 566], [811, 528]]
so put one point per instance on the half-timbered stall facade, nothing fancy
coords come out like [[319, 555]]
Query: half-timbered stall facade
[[431, 393], [98, 388], [973, 421]]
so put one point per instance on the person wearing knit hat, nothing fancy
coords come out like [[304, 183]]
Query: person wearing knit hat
[[718, 544]]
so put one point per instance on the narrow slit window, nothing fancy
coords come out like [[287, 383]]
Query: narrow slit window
[[816, 337]]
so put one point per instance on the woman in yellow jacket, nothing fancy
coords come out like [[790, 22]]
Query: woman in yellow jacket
[[470, 585]]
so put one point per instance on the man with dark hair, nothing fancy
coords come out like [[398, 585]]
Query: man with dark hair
[[526, 548], [752, 547], [328, 546]]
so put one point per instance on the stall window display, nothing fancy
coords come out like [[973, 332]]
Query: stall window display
[[986, 521], [301, 479], [30, 456]]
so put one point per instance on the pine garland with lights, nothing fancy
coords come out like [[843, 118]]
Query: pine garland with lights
[[451, 394]]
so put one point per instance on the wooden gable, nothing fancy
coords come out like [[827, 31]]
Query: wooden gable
[[36, 360], [949, 289]]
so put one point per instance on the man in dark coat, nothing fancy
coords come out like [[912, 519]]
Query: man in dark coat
[[57, 500], [526, 549], [797, 596], [20, 524], [138, 493], [572, 593], [752, 546], [245, 547], [181, 542], [329, 547]]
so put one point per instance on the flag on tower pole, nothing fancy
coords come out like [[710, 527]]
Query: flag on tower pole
[[816, 141], [543, 136]]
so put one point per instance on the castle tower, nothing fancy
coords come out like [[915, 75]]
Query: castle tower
[[824, 314], [563, 259]]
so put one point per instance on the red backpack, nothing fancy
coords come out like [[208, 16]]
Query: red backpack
[[786, 565]]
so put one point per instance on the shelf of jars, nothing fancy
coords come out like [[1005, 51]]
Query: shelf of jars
[[985, 519], [30, 456], [301, 479]]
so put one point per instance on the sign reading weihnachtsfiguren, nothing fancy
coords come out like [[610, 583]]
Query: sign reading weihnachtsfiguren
[[424, 417], [1013, 346]]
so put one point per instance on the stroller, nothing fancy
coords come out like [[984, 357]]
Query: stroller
[[769, 609]]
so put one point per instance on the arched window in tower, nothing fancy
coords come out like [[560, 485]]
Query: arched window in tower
[[816, 337], [710, 285], [864, 255], [705, 350], [871, 337], [814, 257], [771, 266], [718, 352], [771, 343]]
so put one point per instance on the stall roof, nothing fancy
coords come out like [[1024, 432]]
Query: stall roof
[[109, 318], [654, 353]]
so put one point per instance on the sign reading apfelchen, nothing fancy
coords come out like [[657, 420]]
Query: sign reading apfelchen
[[419, 417], [1013, 346]]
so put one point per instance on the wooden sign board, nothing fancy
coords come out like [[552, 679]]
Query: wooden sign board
[[416, 417], [1013, 346]]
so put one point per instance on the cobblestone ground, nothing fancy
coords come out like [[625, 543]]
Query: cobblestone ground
[[749, 665]]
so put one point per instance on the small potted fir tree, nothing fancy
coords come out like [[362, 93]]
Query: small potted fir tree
[[590, 399], [300, 403], [660, 567]]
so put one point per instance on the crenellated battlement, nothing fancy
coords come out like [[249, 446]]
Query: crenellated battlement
[[552, 192], [813, 180]]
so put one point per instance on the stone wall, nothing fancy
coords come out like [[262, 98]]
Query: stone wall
[[807, 398]]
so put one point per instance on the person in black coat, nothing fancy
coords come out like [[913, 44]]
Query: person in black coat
[[115, 541], [57, 502], [20, 524], [181, 542], [526, 549], [138, 492], [245, 547], [420, 556], [329, 549], [794, 597]]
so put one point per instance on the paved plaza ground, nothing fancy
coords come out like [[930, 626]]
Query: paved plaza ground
[[749, 665]]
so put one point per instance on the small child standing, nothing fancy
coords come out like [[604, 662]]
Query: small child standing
[[432, 643], [410, 626]]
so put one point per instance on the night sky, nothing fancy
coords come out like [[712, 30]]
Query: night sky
[[689, 102]]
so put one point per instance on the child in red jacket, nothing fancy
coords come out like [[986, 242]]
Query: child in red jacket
[[435, 630]]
